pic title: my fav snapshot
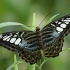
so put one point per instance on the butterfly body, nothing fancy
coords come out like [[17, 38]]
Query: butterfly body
[[29, 44]]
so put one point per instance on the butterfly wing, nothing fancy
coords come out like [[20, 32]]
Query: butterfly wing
[[24, 42], [53, 34]]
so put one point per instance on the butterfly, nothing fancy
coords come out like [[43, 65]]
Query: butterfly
[[28, 44]]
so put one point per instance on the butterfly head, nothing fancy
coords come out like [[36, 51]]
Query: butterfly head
[[37, 29]]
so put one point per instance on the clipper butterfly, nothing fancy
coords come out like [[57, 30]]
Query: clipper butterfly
[[29, 44]]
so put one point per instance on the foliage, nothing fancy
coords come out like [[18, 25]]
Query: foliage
[[21, 11]]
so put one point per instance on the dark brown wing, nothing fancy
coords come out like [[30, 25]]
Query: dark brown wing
[[24, 42], [53, 34]]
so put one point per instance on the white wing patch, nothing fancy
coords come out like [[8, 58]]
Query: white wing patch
[[59, 29], [22, 34], [67, 20], [56, 21], [1, 36], [63, 25], [6, 37], [18, 41], [60, 25], [53, 25], [12, 40], [15, 39]]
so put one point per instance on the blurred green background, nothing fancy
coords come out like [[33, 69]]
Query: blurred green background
[[22, 11]]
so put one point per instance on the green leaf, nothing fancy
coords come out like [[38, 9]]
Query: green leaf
[[66, 49], [52, 18], [11, 66], [33, 22], [4, 24]]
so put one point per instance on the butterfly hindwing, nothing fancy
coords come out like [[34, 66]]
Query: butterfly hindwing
[[24, 42], [32, 52], [53, 34]]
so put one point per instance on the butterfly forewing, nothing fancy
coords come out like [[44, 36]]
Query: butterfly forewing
[[53, 34], [8, 40], [25, 43]]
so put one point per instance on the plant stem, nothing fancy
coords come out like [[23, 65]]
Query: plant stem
[[39, 68], [32, 67], [38, 64], [15, 60]]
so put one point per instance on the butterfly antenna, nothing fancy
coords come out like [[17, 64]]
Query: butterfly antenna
[[45, 18]]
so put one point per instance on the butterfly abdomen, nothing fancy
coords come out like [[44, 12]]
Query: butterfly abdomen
[[39, 34]]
